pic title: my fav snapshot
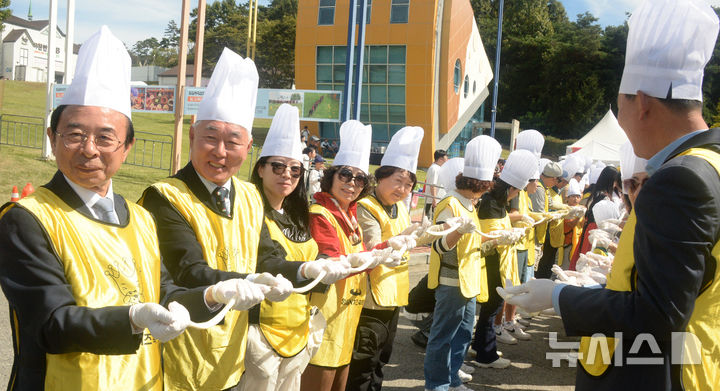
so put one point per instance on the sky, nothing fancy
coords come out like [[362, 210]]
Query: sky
[[135, 20]]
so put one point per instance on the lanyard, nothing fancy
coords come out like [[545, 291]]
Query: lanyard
[[352, 223]]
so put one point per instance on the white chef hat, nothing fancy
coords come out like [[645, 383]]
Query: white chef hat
[[283, 138], [572, 165], [595, 171], [449, 171], [519, 167], [669, 43], [630, 163], [102, 74], [574, 188], [605, 210], [481, 157], [530, 140], [231, 93], [402, 152], [354, 150]]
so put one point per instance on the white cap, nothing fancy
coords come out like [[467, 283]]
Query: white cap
[[102, 74], [605, 210], [283, 138], [404, 147], [572, 165], [595, 171], [530, 140], [449, 171], [574, 188], [668, 46], [354, 151], [231, 93], [629, 163], [519, 168], [481, 157]]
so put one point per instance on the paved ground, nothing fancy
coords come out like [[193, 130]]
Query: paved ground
[[530, 369]]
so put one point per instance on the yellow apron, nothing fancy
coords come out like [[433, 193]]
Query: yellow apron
[[507, 254], [286, 324], [528, 243], [389, 286], [556, 228], [541, 229], [105, 265], [340, 305], [214, 358], [471, 265], [704, 322]]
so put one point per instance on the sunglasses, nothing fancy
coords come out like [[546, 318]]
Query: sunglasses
[[346, 176], [279, 169]]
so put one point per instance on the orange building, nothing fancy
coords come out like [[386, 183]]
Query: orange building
[[424, 65]]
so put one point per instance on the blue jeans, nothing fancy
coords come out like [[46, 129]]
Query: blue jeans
[[450, 336], [522, 259]]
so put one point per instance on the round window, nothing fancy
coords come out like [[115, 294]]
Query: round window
[[457, 76]]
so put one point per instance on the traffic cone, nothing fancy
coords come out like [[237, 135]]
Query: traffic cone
[[15, 197], [27, 190]]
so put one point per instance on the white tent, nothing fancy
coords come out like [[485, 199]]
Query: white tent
[[603, 141]]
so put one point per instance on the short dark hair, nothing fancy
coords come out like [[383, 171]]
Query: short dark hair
[[329, 176], [383, 172], [474, 185], [500, 191], [55, 120], [307, 150], [295, 204], [439, 154], [678, 106]]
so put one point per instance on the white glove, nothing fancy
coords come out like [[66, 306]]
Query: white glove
[[506, 238], [572, 277], [532, 296], [400, 242], [527, 220], [280, 287], [163, 324], [599, 238], [245, 293], [334, 270], [395, 259], [411, 229], [610, 227], [466, 224], [359, 259]]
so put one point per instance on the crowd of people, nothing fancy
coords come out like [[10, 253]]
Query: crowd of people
[[213, 283]]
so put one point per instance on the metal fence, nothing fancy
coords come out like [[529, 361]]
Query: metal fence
[[22, 131], [151, 150]]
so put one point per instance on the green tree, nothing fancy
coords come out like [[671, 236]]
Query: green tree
[[275, 52], [4, 11]]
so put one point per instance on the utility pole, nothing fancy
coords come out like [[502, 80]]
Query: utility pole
[[497, 70], [346, 113], [199, 44], [52, 31], [179, 91], [69, 38]]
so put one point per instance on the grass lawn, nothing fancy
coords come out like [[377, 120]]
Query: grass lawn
[[19, 166]]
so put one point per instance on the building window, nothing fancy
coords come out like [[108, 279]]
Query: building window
[[359, 9], [326, 12], [383, 91], [399, 11], [23, 56], [457, 76], [466, 86]]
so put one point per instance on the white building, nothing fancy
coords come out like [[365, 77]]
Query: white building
[[23, 53]]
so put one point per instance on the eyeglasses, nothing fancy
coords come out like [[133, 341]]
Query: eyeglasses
[[279, 169], [346, 176], [104, 142]]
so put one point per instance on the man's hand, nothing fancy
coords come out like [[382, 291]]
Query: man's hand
[[532, 296], [163, 324], [280, 287], [245, 293]]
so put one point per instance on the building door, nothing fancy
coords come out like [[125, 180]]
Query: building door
[[20, 72]]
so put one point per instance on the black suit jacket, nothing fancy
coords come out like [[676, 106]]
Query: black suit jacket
[[678, 223], [181, 251], [40, 300]]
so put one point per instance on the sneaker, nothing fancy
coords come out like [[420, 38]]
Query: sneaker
[[522, 321], [500, 363], [419, 339], [467, 369], [464, 377], [501, 335], [460, 388], [517, 332]]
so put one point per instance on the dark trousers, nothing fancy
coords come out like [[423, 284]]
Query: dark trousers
[[484, 342], [545, 264], [429, 210], [373, 347]]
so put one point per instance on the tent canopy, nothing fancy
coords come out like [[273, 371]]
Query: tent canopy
[[603, 141]]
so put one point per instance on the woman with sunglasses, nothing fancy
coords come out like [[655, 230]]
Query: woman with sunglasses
[[334, 226], [283, 336], [382, 217], [457, 268]]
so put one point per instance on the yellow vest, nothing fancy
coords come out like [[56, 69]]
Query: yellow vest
[[213, 359], [556, 228], [389, 286], [286, 324], [340, 305], [471, 265], [506, 254], [105, 265], [541, 229], [704, 322], [528, 243]]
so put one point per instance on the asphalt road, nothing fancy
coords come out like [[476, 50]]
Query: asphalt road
[[530, 370]]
